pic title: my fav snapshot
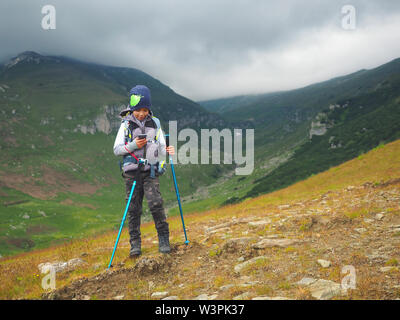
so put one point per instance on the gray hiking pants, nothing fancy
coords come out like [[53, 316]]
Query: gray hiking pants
[[150, 187]]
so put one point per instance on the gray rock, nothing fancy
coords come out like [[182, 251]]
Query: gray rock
[[388, 269], [324, 289], [248, 284], [159, 295], [259, 223], [60, 266], [226, 287], [242, 296], [42, 213], [270, 298], [324, 263], [226, 229], [218, 226], [121, 297], [205, 296], [241, 266], [266, 243], [171, 298], [360, 230], [306, 281]]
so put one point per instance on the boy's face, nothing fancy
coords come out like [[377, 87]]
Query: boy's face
[[140, 114]]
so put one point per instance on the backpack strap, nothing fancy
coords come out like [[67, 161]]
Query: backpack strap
[[158, 124]]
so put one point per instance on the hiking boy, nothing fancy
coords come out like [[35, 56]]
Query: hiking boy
[[139, 140]]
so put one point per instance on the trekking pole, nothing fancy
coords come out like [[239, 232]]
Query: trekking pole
[[176, 190], [122, 224]]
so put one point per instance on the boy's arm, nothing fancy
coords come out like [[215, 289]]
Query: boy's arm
[[119, 144]]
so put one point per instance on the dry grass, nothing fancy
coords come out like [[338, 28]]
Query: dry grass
[[206, 267]]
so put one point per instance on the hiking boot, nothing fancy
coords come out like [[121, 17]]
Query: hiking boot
[[135, 248], [163, 243]]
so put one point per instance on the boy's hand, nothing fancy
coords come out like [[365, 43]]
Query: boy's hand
[[171, 150], [140, 142]]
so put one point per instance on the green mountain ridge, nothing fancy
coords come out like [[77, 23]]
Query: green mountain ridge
[[60, 180], [58, 174], [284, 121]]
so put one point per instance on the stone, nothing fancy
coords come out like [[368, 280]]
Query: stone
[[96, 266], [379, 216], [243, 265], [119, 297], [248, 284], [259, 223], [324, 289], [159, 295], [368, 220], [205, 296], [324, 263], [360, 230], [395, 228], [171, 298], [306, 281], [266, 243], [226, 287], [388, 269], [225, 229], [42, 213], [60, 266], [242, 296], [270, 298], [219, 226]]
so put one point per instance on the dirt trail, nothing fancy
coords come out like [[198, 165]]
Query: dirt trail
[[265, 254]]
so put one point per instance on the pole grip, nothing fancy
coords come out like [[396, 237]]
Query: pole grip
[[167, 139]]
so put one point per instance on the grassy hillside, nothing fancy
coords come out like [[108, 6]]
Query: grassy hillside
[[357, 112], [282, 120], [356, 126], [59, 178], [320, 213]]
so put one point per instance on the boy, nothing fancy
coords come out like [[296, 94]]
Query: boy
[[139, 140]]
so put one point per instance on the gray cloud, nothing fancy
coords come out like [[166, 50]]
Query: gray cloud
[[207, 49]]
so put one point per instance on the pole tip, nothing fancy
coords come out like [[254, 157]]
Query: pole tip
[[187, 242]]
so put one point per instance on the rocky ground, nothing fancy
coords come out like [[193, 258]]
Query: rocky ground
[[342, 245]]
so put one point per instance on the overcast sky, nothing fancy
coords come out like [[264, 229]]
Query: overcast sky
[[212, 48]]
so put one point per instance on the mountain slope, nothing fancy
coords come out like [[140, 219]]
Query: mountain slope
[[348, 215], [354, 127], [59, 179], [58, 121], [313, 127]]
